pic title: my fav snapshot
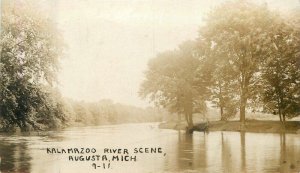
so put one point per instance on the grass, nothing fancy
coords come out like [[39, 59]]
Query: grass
[[255, 122]]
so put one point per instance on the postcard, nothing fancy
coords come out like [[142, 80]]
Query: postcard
[[149, 86]]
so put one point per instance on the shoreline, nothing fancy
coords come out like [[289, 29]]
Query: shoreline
[[255, 126], [71, 125]]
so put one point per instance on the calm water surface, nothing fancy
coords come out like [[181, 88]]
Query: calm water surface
[[213, 152]]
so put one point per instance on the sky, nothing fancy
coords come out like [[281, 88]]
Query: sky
[[109, 42]]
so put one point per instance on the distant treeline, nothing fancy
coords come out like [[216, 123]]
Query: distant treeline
[[107, 112]]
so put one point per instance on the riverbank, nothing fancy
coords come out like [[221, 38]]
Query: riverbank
[[257, 126]]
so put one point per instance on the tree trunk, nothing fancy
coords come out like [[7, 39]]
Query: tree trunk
[[244, 96], [19, 125], [24, 126], [279, 108], [191, 123], [221, 101], [243, 102], [189, 120], [280, 118], [243, 110], [222, 113], [283, 119], [188, 110], [280, 115]]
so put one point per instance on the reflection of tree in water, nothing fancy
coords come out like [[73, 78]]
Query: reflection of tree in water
[[283, 153], [289, 157], [201, 156], [190, 155], [226, 155], [243, 152], [7, 156], [185, 151], [14, 157]]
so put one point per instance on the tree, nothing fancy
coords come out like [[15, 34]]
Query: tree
[[220, 78], [239, 30], [224, 93], [171, 82], [281, 72], [30, 50]]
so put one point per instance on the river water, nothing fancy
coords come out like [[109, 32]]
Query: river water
[[212, 152]]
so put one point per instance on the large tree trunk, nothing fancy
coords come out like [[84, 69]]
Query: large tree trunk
[[243, 110], [189, 120], [280, 118], [222, 113], [188, 110], [244, 97]]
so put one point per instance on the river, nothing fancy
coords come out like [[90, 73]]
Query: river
[[199, 152]]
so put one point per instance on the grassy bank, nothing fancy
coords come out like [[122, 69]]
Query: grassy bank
[[258, 126]]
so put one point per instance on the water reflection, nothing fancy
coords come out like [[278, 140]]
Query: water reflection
[[14, 157], [283, 153], [226, 155], [243, 151], [185, 151], [288, 160], [238, 152], [199, 152]]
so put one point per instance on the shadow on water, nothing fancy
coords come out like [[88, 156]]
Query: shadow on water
[[14, 157]]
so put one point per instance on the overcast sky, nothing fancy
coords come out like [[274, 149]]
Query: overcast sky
[[110, 41]]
